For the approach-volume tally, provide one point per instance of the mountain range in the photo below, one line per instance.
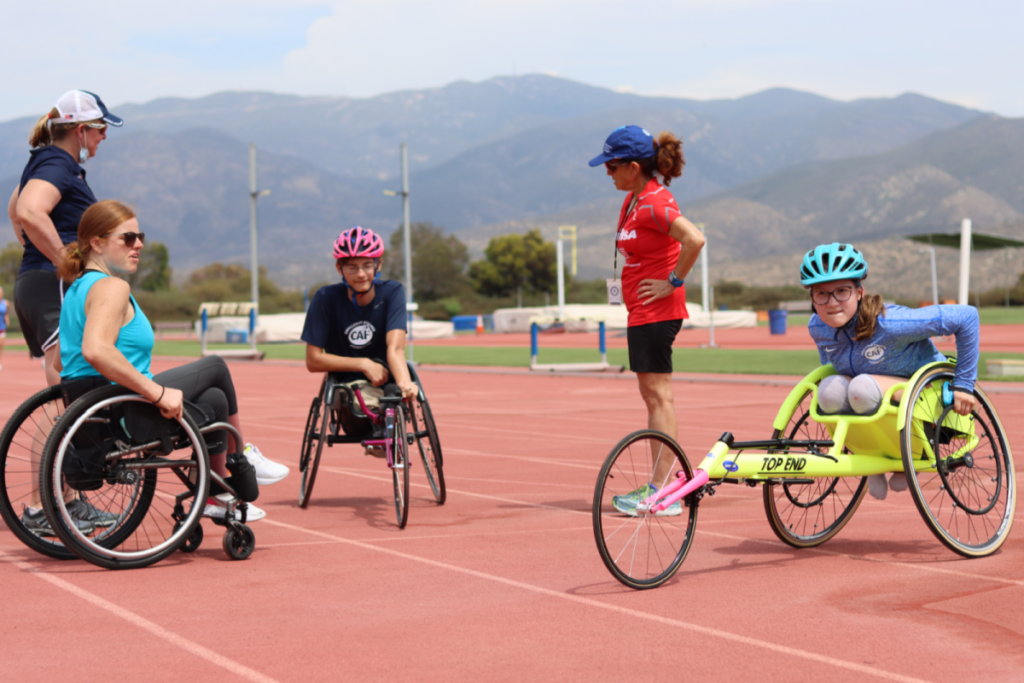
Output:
(767, 172)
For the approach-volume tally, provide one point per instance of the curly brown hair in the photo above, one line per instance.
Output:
(667, 160)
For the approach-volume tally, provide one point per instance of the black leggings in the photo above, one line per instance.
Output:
(208, 381)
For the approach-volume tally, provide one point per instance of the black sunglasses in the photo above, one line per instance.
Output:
(129, 237)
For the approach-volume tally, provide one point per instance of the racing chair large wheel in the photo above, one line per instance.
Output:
(313, 444)
(959, 467)
(147, 476)
(21, 450)
(422, 425)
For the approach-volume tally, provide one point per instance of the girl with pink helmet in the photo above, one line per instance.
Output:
(356, 325)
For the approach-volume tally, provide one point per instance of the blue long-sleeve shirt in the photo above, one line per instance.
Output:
(901, 344)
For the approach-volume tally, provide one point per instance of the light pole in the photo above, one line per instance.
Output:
(254, 194)
(410, 307)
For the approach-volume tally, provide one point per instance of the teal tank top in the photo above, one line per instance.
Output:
(135, 340)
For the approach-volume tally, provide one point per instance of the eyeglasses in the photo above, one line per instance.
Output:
(97, 125)
(613, 166)
(129, 237)
(353, 269)
(840, 294)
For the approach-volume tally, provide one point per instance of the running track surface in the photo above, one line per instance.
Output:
(504, 581)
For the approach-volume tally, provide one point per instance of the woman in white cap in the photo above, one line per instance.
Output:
(45, 210)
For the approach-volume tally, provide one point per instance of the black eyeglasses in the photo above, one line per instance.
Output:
(840, 294)
(129, 237)
(613, 166)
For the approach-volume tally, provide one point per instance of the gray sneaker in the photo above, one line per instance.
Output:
(84, 511)
(37, 523)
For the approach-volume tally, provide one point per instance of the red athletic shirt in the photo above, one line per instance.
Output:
(650, 252)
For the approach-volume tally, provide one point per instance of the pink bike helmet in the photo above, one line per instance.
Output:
(358, 242)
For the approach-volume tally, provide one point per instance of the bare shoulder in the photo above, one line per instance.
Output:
(110, 289)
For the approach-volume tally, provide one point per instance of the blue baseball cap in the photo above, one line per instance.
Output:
(627, 142)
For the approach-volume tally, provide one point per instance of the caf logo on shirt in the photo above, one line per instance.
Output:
(360, 334)
(874, 353)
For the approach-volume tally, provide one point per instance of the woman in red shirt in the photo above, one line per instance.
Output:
(659, 247)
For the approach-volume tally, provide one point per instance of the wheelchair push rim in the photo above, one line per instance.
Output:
(399, 462)
(142, 514)
(959, 469)
(645, 550)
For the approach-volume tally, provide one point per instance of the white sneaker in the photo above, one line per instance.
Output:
(267, 471)
(217, 511)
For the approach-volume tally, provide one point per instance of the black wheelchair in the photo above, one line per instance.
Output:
(147, 479)
(339, 415)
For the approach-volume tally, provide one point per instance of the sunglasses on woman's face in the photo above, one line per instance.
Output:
(129, 237)
(614, 166)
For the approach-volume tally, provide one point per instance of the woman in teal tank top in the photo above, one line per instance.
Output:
(104, 333)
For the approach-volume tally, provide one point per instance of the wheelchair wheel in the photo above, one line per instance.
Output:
(809, 511)
(400, 468)
(239, 542)
(21, 450)
(312, 447)
(642, 550)
(153, 492)
(966, 492)
(429, 446)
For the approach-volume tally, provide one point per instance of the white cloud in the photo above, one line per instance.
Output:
(130, 51)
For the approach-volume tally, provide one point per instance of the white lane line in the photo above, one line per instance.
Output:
(710, 533)
(143, 623)
(435, 537)
(636, 614)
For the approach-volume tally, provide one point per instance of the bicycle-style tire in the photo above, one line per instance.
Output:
(807, 515)
(646, 550)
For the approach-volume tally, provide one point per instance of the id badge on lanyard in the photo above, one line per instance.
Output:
(615, 284)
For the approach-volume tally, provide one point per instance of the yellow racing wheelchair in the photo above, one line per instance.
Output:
(814, 472)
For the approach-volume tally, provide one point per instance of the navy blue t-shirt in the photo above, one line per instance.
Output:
(60, 169)
(339, 327)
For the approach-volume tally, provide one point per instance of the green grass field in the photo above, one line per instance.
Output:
(720, 361)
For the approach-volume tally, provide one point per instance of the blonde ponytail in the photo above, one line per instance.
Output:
(49, 129)
(867, 317)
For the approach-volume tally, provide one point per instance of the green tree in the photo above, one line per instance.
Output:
(438, 261)
(154, 271)
(514, 263)
(230, 282)
(10, 262)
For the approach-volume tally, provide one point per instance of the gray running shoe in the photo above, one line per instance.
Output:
(37, 523)
(82, 510)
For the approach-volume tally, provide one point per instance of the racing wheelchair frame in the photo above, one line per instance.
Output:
(338, 415)
(814, 471)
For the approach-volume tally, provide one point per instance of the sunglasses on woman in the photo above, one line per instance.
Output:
(129, 237)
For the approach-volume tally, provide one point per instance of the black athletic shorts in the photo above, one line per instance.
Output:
(650, 346)
(37, 299)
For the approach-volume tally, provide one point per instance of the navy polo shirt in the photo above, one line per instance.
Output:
(60, 169)
(339, 327)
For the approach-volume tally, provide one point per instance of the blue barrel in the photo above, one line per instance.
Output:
(777, 321)
(464, 323)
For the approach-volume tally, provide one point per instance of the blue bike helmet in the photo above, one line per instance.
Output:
(831, 262)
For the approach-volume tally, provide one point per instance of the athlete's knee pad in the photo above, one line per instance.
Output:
(865, 394)
(832, 394)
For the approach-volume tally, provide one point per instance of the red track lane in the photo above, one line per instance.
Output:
(504, 582)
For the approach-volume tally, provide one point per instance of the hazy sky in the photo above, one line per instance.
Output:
(131, 51)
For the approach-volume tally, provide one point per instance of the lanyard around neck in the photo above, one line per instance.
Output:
(615, 259)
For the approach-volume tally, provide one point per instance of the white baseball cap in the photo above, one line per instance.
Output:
(79, 105)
